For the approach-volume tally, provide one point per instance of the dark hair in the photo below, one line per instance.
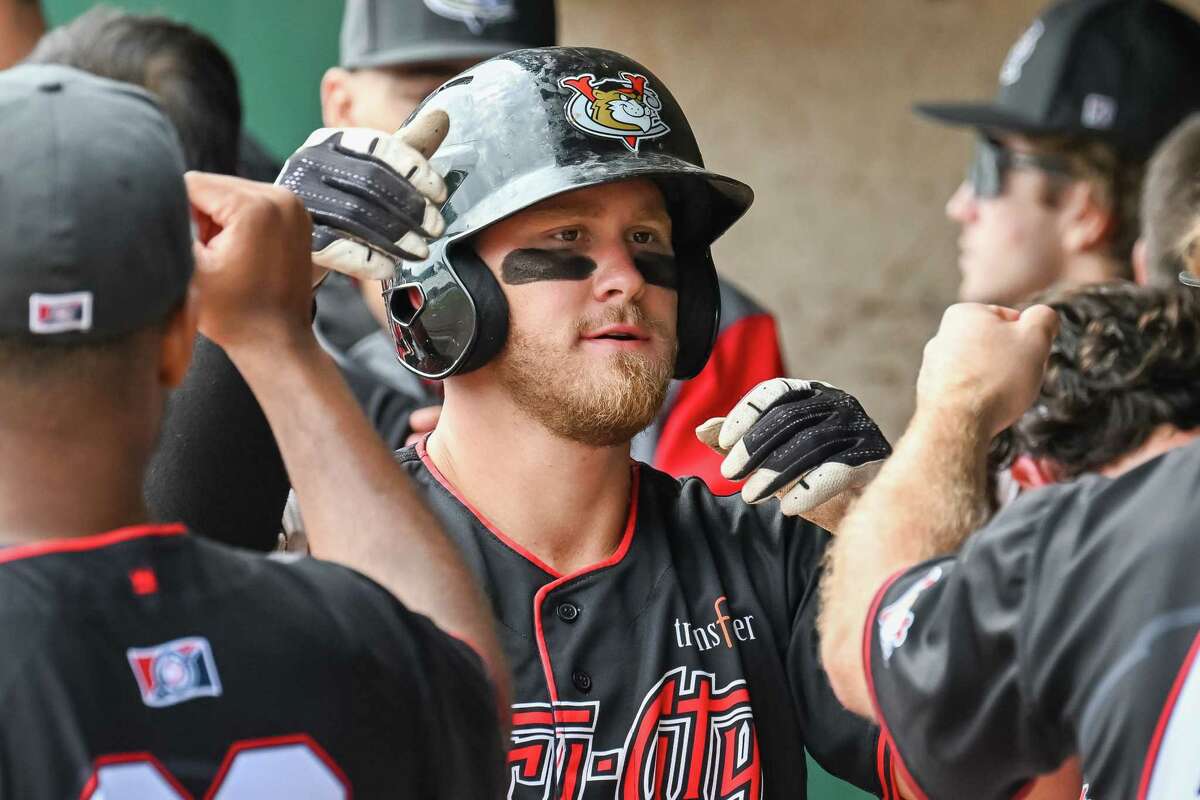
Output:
(1171, 201)
(187, 72)
(1117, 179)
(1126, 360)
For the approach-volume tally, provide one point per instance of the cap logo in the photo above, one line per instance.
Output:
(624, 108)
(475, 14)
(60, 313)
(1010, 72)
(1099, 112)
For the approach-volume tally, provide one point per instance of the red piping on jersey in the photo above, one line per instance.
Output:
(881, 767)
(1164, 718)
(275, 741)
(613, 560)
(93, 542)
(487, 523)
(92, 784)
(867, 638)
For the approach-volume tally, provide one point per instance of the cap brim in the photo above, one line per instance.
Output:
(978, 115)
(431, 51)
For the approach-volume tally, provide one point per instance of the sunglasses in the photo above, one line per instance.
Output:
(992, 161)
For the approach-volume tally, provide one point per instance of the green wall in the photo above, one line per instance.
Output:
(281, 48)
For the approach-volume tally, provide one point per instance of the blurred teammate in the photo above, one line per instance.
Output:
(1053, 188)
(217, 470)
(143, 662)
(393, 54)
(1170, 205)
(1067, 625)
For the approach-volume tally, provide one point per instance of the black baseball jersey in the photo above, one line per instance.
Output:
(683, 666)
(1067, 625)
(150, 664)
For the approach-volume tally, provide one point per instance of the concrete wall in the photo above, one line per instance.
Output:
(808, 102)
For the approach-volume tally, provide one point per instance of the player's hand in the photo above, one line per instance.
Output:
(421, 422)
(373, 196)
(804, 442)
(986, 361)
(253, 268)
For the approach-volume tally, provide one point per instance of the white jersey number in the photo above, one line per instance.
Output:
(291, 766)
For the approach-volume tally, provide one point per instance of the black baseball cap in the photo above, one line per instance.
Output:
(384, 33)
(1124, 71)
(95, 233)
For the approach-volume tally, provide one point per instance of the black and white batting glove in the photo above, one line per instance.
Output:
(373, 197)
(804, 442)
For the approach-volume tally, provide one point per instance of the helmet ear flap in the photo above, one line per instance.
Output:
(699, 313)
(491, 307)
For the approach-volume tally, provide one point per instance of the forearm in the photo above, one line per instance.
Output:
(926, 499)
(359, 508)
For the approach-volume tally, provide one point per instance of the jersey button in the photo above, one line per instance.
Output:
(582, 681)
(568, 612)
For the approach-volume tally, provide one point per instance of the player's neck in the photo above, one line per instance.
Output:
(1093, 266)
(1165, 438)
(565, 502)
(55, 483)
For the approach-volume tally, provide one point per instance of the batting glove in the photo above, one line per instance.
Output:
(373, 198)
(804, 442)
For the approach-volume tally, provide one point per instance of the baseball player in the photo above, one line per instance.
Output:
(1067, 625)
(141, 661)
(393, 54)
(1051, 196)
(662, 638)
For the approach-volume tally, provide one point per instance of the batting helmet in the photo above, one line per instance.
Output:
(531, 124)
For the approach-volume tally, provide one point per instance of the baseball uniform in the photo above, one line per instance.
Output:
(1067, 625)
(149, 663)
(685, 665)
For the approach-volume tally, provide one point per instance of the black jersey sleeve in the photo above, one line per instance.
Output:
(944, 648)
(217, 468)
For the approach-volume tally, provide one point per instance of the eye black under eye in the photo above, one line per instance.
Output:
(658, 269)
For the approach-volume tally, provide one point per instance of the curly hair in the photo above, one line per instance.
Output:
(1126, 360)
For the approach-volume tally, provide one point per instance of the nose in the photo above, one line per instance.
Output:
(616, 276)
(962, 207)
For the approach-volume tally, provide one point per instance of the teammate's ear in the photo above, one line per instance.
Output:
(1031, 473)
(175, 355)
(1086, 221)
(1141, 271)
(336, 98)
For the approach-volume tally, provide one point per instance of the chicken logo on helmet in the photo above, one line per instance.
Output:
(624, 108)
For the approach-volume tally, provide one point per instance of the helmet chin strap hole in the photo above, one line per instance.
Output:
(405, 302)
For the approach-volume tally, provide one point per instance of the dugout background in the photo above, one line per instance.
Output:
(806, 100)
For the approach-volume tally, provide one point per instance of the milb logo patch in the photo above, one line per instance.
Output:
(60, 313)
(175, 671)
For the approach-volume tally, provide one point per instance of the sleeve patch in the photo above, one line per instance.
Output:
(897, 617)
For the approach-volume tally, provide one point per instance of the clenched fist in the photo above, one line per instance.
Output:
(987, 361)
